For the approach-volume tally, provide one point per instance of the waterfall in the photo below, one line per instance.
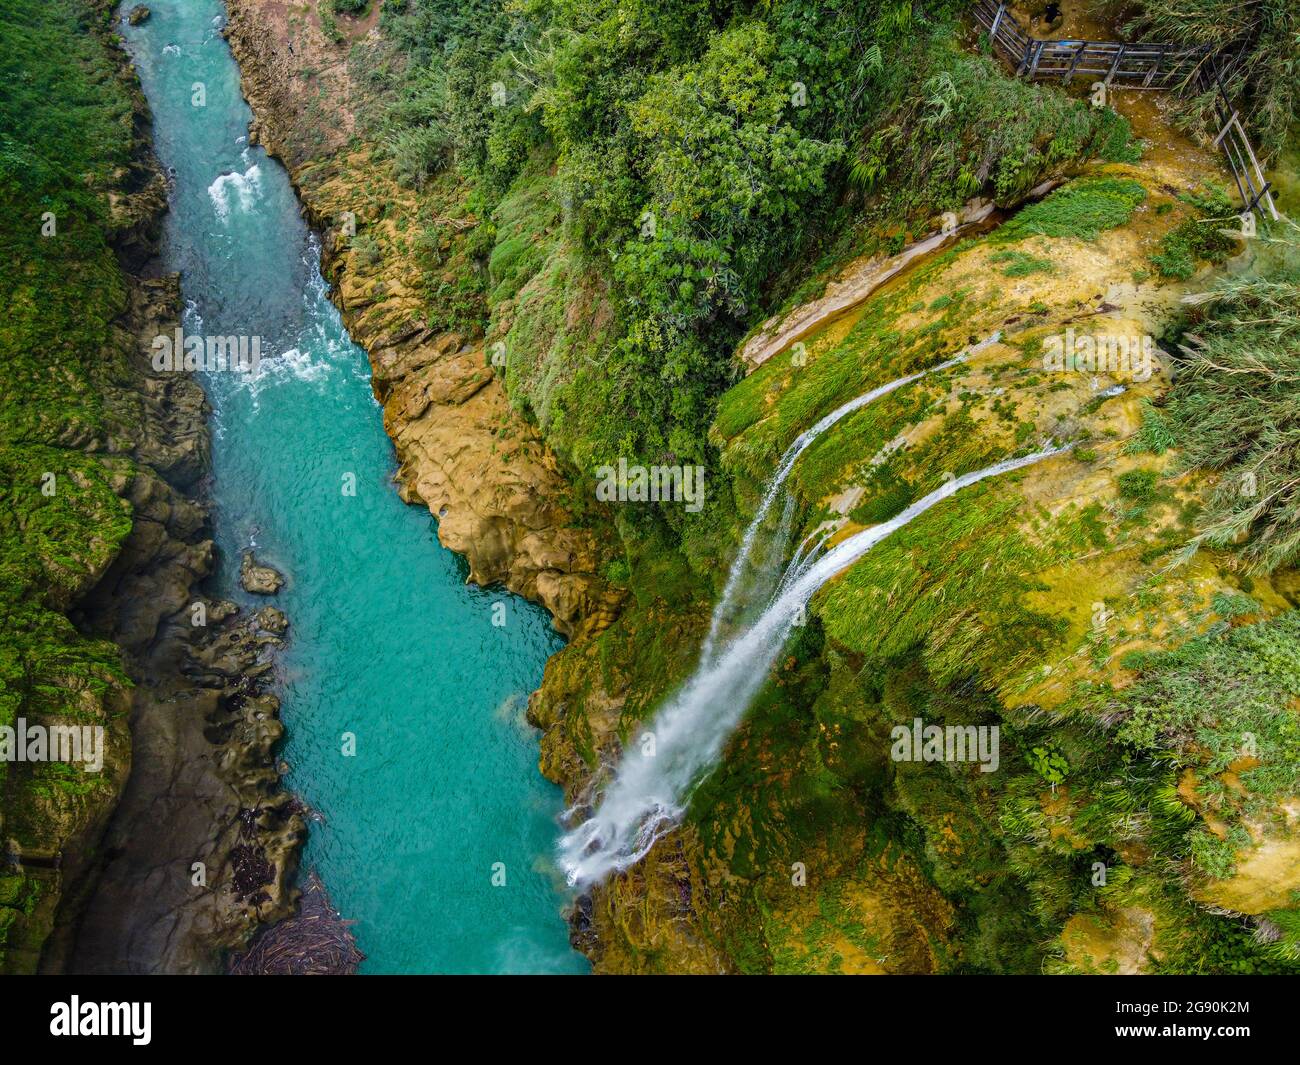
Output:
(732, 590)
(649, 793)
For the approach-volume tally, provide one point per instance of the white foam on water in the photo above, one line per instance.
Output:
(234, 189)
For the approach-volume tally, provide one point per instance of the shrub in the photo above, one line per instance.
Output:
(1232, 409)
(1198, 239)
(1138, 485)
(418, 153)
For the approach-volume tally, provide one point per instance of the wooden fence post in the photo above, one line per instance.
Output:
(1078, 57)
(1024, 60)
(1155, 69)
(997, 21)
(1114, 67)
(1038, 54)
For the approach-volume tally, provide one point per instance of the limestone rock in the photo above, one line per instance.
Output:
(1117, 943)
(1267, 875)
(273, 620)
(257, 578)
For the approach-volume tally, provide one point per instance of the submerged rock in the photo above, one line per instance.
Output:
(138, 14)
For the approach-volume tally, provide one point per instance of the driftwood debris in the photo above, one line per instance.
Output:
(314, 942)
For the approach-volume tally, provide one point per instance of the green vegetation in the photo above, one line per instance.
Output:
(1081, 209)
(1020, 264)
(1266, 35)
(684, 158)
(618, 193)
(1232, 411)
(1049, 764)
(1202, 238)
(978, 625)
(1162, 781)
(873, 351)
(1016, 852)
(648, 185)
(1157, 433)
(957, 126)
(1138, 485)
(66, 129)
(1217, 696)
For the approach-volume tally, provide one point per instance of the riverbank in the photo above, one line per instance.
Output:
(104, 875)
(403, 687)
(489, 478)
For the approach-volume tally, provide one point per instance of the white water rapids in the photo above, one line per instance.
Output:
(649, 793)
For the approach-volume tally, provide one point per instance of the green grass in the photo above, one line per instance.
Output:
(1232, 411)
(1080, 210)
(1199, 239)
(943, 584)
(1138, 485)
(1020, 264)
(935, 620)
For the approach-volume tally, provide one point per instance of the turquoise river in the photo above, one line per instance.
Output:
(442, 799)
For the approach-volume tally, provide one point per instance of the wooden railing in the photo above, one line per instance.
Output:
(1168, 67)
(1235, 145)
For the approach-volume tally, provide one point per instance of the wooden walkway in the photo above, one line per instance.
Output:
(1168, 67)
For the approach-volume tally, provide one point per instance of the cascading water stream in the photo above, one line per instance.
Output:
(731, 592)
(649, 793)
